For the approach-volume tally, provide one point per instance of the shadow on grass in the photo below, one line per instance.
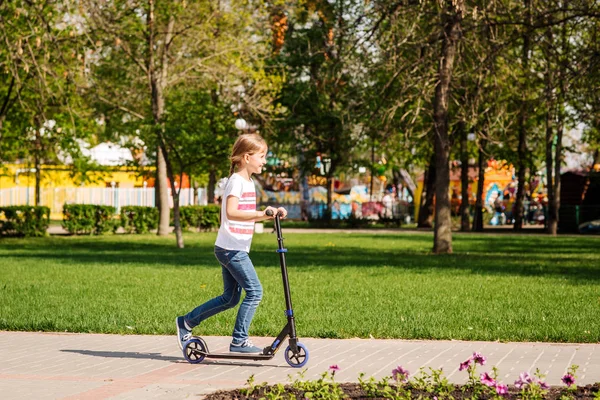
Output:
(501, 255)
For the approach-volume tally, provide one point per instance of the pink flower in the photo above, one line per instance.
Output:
(501, 389)
(478, 358)
(334, 368)
(525, 377)
(568, 379)
(519, 384)
(544, 385)
(400, 374)
(487, 380)
(464, 365)
(524, 380)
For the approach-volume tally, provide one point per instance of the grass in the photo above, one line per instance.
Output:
(494, 287)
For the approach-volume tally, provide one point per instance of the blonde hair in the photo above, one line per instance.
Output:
(247, 143)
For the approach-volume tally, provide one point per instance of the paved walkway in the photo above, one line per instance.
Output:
(92, 366)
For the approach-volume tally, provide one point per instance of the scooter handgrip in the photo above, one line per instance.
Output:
(269, 212)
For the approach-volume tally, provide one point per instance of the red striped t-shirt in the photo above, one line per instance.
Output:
(237, 235)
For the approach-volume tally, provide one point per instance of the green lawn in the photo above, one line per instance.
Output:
(494, 287)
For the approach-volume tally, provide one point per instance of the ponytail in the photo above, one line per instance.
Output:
(232, 169)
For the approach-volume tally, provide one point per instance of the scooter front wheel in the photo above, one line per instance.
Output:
(193, 350)
(298, 359)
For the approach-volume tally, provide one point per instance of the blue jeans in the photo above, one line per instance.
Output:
(238, 273)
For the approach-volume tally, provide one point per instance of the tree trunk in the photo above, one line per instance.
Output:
(522, 125)
(157, 80)
(478, 214)
(551, 220)
(555, 206)
(164, 211)
(329, 195)
(465, 220)
(555, 202)
(175, 192)
(38, 179)
(38, 163)
(451, 20)
(372, 169)
(5, 107)
(212, 182)
(425, 219)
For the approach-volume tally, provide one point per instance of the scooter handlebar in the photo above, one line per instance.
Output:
(269, 212)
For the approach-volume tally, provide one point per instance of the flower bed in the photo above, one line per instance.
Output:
(425, 385)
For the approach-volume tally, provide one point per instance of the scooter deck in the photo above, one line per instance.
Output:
(240, 356)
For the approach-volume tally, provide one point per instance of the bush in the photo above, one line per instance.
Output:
(136, 219)
(203, 218)
(24, 220)
(87, 219)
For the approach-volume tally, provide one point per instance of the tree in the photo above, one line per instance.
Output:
(451, 18)
(321, 93)
(153, 46)
(41, 66)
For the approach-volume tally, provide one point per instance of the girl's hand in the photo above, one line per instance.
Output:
(273, 210)
(282, 212)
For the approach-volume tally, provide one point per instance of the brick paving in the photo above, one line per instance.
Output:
(93, 366)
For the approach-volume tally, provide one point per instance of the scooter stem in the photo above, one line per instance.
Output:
(284, 276)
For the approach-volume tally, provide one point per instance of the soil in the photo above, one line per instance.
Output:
(354, 391)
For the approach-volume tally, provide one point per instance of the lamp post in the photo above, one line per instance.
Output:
(241, 124)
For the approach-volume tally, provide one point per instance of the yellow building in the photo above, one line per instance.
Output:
(53, 176)
(116, 186)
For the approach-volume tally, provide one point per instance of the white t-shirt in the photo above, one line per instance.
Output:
(237, 235)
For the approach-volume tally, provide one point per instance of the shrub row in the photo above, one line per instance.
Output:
(92, 219)
(24, 220)
(88, 219)
(203, 218)
(138, 219)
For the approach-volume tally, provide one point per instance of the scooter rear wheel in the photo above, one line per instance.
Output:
(193, 349)
(299, 359)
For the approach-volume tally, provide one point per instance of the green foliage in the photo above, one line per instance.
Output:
(88, 219)
(199, 130)
(437, 384)
(136, 219)
(40, 69)
(24, 220)
(203, 218)
(382, 388)
(323, 388)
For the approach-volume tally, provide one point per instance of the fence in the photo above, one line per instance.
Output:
(55, 198)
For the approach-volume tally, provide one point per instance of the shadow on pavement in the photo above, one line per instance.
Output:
(159, 357)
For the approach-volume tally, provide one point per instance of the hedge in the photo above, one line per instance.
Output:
(87, 219)
(138, 219)
(24, 220)
(203, 218)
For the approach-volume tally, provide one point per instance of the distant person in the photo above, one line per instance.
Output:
(388, 203)
(238, 215)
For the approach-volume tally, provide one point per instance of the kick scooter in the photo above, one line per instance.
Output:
(195, 350)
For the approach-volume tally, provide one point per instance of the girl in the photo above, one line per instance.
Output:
(238, 215)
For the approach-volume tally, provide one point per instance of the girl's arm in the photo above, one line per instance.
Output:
(231, 208)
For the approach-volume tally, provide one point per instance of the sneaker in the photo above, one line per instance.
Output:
(183, 333)
(244, 347)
